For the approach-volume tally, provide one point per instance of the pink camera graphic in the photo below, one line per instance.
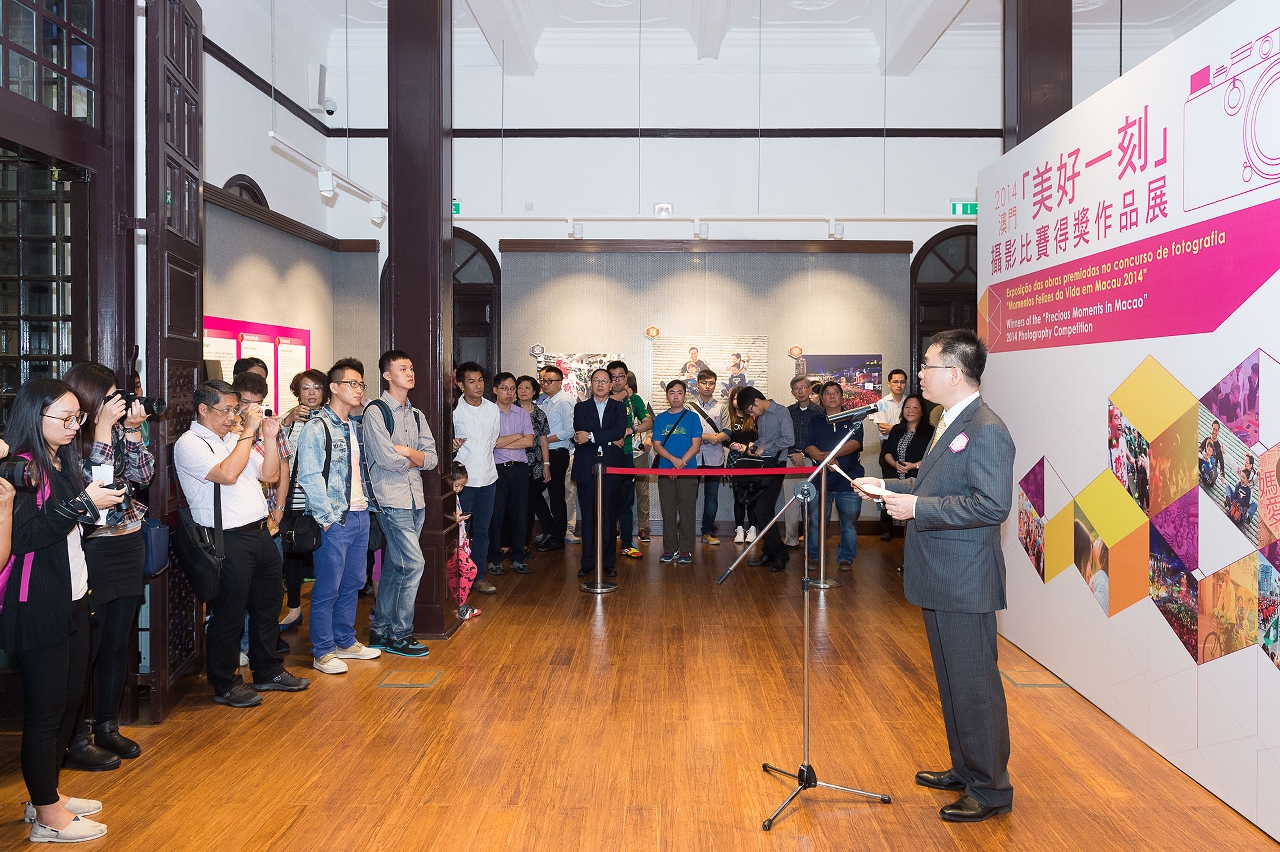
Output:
(1231, 129)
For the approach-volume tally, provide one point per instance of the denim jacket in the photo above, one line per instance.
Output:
(328, 502)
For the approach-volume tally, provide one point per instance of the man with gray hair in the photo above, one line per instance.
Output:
(217, 468)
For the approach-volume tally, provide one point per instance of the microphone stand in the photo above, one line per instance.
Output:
(806, 778)
(599, 586)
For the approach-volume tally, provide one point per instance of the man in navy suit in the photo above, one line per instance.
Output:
(599, 425)
(954, 570)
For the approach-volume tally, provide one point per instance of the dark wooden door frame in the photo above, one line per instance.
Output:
(938, 290)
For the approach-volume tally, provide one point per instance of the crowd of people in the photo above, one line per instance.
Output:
(351, 466)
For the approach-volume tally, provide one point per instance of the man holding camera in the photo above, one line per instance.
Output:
(207, 456)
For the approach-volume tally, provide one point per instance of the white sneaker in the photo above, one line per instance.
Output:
(79, 829)
(751, 535)
(358, 652)
(79, 807)
(739, 536)
(330, 664)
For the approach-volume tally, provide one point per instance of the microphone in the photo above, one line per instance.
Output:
(854, 414)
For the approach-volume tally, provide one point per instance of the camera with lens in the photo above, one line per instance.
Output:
(153, 405)
(21, 473)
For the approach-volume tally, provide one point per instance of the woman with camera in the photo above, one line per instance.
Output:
(45, 619)
(112, 438)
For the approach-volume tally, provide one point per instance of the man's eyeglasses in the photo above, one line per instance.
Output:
(936, 366)
(708, 383)
(616, 376)
(71, 421)
(228, 411)
(505, 387)
(549, 381)
(357, 385)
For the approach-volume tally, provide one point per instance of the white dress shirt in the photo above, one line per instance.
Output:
(194, 455)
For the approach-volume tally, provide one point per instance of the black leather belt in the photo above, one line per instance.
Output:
(508, 464)
(250, 527)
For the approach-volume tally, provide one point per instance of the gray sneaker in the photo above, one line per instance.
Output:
(520, 566)
(283, 682)
(405, 646)
(239, 695)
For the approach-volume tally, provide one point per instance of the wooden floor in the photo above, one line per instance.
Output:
(638, 720)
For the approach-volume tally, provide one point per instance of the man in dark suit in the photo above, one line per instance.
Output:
(599, 425)
(954, 570)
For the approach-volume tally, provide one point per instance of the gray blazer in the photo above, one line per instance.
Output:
(953, 561)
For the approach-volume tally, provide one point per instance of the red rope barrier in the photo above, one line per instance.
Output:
(708, 471)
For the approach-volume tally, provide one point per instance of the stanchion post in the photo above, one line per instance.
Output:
(599, 587)
(822, 582)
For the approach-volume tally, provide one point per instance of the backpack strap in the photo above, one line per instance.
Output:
(386, 413)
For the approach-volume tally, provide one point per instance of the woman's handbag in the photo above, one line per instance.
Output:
(300, 533)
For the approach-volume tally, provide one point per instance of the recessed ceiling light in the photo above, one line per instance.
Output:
(1086, 5)
(810, 5)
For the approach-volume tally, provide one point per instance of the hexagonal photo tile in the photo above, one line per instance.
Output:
(1269, 603)
(1179, 525)
(1174, 592)
(1228, 617)
(1031, 515)
(1130, 457)
(1234, 399)
(1269, 496)
(1092, 559)
(1173, 461)
(1228, 474)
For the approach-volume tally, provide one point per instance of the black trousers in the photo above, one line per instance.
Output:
(109, 655)
(510, 504)
(762, 511)
(53, 679)
(250, 583)
(587, 520)
(552, 511)
(296, 567)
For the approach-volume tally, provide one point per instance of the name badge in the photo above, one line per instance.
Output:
(961, 441)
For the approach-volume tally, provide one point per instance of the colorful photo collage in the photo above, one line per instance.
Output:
(861, 377)
(577, 369)
(1229, 473)
(1031, 515)
(1228, 617)
(1092, 559)
(738, 362)
(1269, 602)
(1234, 400)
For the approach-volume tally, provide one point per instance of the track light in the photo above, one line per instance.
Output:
(835, 229)
(703, 229)
(325, 178)
(377, 214)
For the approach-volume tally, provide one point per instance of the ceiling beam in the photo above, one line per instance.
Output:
(512, 29)
(913, 29)
(710, 23)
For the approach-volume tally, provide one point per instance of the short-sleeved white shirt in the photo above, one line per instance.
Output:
(194, 455)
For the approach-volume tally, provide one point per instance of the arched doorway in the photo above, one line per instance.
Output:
(477, 306)
(944, 288)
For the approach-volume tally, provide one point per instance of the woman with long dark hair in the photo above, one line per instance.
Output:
(45, 619)
(112, 437)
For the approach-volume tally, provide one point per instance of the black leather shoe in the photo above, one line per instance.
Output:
(968, 809)
(88, 757)
(107, 735)
(939, 780)
(610, 572)
(582, 572)
(778, 566)
(548, 544)
(756, 563)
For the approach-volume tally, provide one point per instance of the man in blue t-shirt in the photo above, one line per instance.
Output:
(677, 437)
(821, 439)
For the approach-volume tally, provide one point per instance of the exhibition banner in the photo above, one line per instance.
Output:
(286, 351)
(1144, 212)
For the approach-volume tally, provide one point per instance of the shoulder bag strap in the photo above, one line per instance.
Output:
(218, 547)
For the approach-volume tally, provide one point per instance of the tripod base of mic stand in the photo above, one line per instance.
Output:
(599, 588)
(808, 779)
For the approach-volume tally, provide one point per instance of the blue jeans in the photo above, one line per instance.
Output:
(849, 506)
(710, 503)
(402, 565)
(340, 575)
(479, 502)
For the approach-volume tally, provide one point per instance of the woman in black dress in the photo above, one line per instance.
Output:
(45, 619)
(907, 442)
(112, 438)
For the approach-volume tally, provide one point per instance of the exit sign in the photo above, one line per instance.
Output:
(964, 208)
(457, 208)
